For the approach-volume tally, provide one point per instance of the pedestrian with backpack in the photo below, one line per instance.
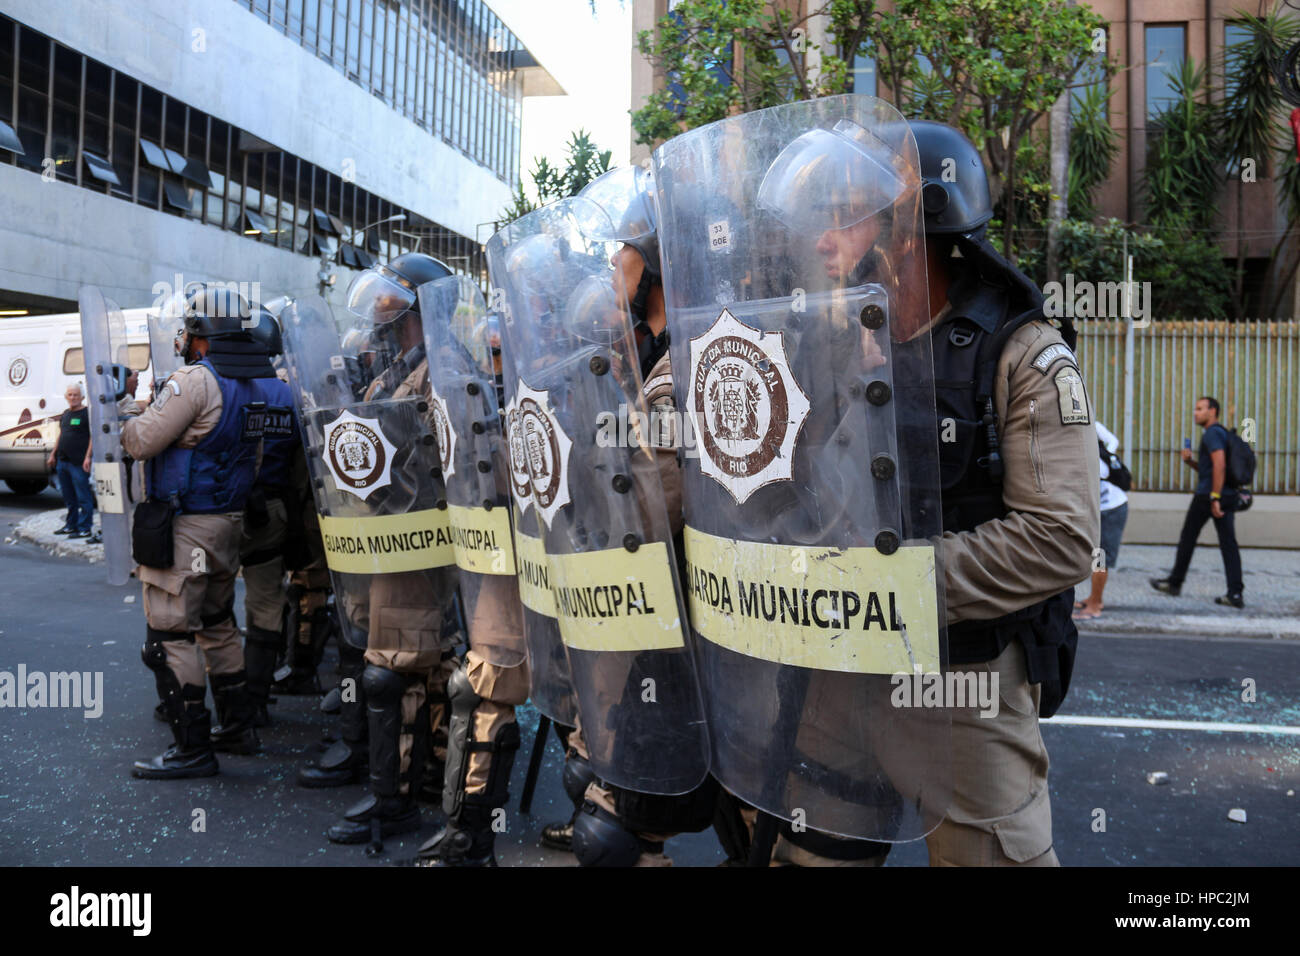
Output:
(1116, 480)
(1212, 485)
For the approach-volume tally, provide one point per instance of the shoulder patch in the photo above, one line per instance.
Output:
(658, 390)
(1051, 354)
(1071, 397)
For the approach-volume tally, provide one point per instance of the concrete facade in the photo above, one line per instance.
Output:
(215, 56)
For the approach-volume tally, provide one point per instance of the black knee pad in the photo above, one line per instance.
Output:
(577, 774)
(383, 687)
(599, 839)
(152, 652)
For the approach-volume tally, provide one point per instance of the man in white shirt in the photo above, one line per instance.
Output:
(1114, 514)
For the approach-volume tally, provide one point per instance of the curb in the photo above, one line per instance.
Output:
(1197, 625)
(38, 529)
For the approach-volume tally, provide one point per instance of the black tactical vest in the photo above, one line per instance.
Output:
(967, 345)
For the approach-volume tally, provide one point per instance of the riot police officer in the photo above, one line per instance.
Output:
(1014, 432)
(483, 691)
(1011, 382)
(569, 300)
(200, 440)
(266, 525)
(402, 612)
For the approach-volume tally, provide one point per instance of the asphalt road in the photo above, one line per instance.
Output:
(66, 796)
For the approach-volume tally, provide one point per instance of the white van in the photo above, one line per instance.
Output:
(40, 357)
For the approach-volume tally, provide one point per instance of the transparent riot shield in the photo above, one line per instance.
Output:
(166, 327)
(550, 681)
(472, 452)
(794, 274)
(598, 499)
(373, 459)
(104, 347)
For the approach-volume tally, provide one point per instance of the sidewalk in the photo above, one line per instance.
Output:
(1132, 606)
(38, 529)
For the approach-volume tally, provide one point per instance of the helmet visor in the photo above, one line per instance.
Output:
(830, 179)
(378, 298)
(592, 313)
(625, 195)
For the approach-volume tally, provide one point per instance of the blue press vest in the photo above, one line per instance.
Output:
(215, 476)
(280, 434)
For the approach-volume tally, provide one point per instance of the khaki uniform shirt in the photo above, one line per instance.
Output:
(1045, 543)
(184, 410)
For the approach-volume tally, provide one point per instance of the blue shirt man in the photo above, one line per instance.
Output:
(1211, 464)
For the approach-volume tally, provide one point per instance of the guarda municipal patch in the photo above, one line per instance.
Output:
(1044, 359)
(1071, 397)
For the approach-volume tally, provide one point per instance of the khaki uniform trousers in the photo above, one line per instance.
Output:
(1000, 812)
(196, 595)
(264, 598)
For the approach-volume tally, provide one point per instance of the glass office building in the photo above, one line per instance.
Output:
(443, 78)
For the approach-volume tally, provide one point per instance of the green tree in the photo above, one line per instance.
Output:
(1189, 278)
(698, 46)
(1251, 105)
(584, 161)
(1094, 145)
(990, 67)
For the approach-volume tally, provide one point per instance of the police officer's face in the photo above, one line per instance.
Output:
(842, 249)
(628, 267)
(132, 382)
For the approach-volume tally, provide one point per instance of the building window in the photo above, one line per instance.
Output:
(105, 131)
(434, 61)
(1234, 35)
(1090, 78)
(863, 78)
(33, 80)
(1165, 50)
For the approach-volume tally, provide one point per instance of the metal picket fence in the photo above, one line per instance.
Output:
(1250, 367)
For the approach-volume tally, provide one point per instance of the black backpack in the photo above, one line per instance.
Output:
(1119, 476)
(1241, 462)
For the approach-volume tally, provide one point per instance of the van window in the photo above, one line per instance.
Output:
(137, 356)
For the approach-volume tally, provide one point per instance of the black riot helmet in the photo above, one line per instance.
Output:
(213, 312)
(384, 293)
(265, 329)
(225, 318)
(955, 190)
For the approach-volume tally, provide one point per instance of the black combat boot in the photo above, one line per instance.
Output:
(234, 733)
(577, 774)
(345, 761)
(468, 840)
(305, 655)
(390, 809)
(260, 650)
(191, 755)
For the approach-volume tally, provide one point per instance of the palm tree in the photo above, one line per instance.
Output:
(1250, 116)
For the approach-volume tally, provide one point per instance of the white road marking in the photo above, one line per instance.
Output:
(1144, 722)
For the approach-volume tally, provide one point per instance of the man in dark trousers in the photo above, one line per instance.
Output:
(71, 461)
(1211, 464)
